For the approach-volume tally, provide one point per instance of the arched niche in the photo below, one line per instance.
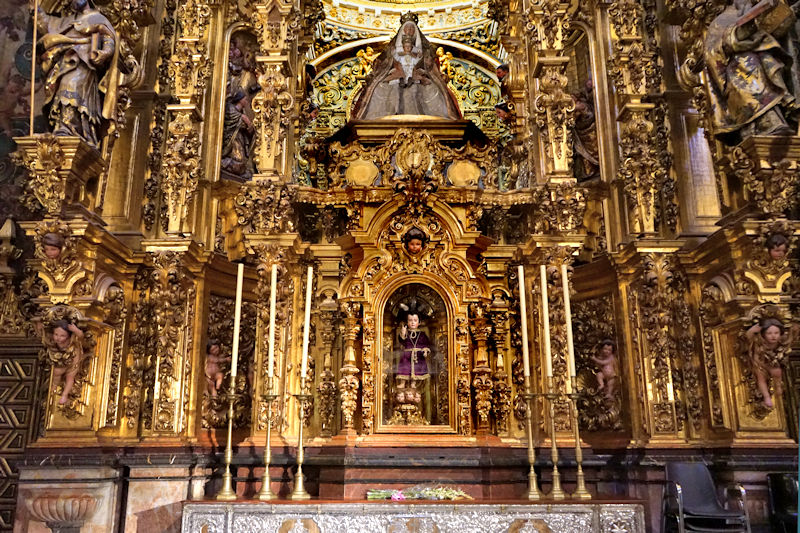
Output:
(415, 358)
(445, 264)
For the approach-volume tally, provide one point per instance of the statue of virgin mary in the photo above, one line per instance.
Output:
(406, 80)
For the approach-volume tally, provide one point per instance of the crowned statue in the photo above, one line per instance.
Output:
(406, 80)
(79, 63)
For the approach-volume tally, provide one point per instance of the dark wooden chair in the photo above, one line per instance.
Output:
(782, 502)
(691, 504)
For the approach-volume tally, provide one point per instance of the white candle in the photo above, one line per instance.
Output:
(273, 290)
(306, 326)
(523, 311)
(568, 314)
(548, 359)
(237, 319)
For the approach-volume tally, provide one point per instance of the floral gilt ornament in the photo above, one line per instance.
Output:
(419, 492)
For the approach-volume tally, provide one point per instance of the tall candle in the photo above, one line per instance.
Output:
(548, 358)
(237, 319)
(306, 326)
(273, 290)
(523, 311)
(568, 313)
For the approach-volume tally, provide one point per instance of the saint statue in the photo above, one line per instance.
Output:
(406, 80)
(584, 138)
(238, 136)
(412, 368)
(79, 62)
(748, 71)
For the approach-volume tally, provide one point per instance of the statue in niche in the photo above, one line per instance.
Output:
(64, 345)
(606, 372)
(748, 70)
(214, 372)
(586, 164)
(406, 80)
(768, 347)
(79, 63)
(415, 346)
(412, 368)
(238, 137)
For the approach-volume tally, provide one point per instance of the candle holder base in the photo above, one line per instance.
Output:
(226, 493)
(299, 492)
(557, 493)
(533, 488)
(266, 493)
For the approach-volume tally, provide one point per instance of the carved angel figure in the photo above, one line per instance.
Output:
(606, 361)
(214, 372)
(79, 62)
(769, 342)
(64, 346)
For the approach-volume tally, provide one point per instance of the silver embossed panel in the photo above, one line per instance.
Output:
(254, 517)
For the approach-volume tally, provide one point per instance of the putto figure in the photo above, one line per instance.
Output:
(406, 80)
(80, 74)
(214, 372)
(65, 353)
(606, 361)
(768, 348)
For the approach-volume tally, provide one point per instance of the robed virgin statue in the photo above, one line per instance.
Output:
(406, 80)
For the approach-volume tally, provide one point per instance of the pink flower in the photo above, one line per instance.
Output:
(397, 496)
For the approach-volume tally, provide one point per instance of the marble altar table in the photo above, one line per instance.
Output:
(396, 517)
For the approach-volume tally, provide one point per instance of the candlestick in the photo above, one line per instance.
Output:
(568, 315)
(548, 358)
(273, 290)
(306, 325)
(580, 491)
(557, 493)
(226, 493)
(237, 320)
(33, 64)
(523, 311)
(299, 492)
(266, 491)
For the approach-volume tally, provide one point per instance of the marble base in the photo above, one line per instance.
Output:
(444, 517)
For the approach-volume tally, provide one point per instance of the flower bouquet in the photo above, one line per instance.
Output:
(419, 492)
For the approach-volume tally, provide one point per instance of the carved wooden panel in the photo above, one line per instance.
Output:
(19, 370)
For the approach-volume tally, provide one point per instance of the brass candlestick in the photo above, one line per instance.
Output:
(557, 493)
(299, 492)
(266, 492)
(580, 492)
(226, 493)
(533, 488)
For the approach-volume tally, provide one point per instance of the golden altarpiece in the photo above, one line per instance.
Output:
(481, 190)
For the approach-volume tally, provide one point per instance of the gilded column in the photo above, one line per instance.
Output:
(480, 327)
(548, 22)
(349, 382)
(501, 385)
(189, 69)
(635, 74)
